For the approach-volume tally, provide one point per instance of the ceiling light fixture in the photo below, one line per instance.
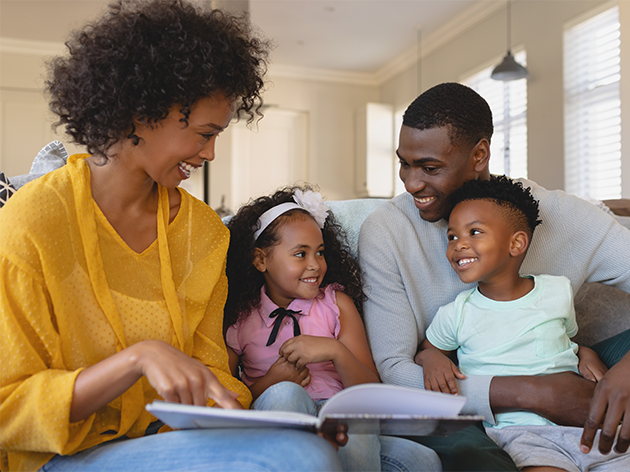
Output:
(509, 69)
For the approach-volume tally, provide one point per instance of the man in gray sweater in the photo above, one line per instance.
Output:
(444, 142)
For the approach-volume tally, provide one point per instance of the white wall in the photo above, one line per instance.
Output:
(537, 26)
(331, 108)
(25, 121)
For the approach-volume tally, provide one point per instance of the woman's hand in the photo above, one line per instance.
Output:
(175, 376)
(179, 378)
(305, 349)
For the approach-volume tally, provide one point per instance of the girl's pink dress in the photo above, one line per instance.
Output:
(319, 317)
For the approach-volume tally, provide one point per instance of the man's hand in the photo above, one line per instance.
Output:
(438, 370)
(563, 398)
(610, 404)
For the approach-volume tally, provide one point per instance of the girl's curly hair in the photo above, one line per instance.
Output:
(142, 58)
(245, 280)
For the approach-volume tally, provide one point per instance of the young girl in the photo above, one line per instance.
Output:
(112, 280)
(292, 317)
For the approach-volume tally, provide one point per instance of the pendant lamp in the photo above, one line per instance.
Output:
(509, 69)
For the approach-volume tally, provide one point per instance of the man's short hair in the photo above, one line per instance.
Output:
(516, 201)
(456, 106)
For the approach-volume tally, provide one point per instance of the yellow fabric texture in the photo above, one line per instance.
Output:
(73, 293)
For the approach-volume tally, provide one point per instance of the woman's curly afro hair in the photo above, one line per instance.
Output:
(517, 201)
(245, 281)
(141, 58)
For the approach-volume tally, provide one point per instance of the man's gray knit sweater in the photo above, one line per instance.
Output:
(408, 277)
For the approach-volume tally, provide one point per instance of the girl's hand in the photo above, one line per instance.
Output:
(178, 377)
(282, 370)
(439, 371)
(338, 438)
(590, 366)
(305, 349)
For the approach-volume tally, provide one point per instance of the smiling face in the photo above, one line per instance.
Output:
(295, 267)
(481, 243)
(170, 150)
(432, 168)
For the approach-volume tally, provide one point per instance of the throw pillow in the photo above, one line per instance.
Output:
(6, 189)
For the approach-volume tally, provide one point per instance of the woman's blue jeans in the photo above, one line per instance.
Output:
(224, 450)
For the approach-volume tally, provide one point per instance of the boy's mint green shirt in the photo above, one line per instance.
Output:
(527, 336)
(407, 276)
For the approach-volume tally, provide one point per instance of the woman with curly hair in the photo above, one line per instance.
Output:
(112, 278)
(293, 321)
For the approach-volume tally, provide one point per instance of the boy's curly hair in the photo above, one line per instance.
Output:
(518, 201)
(460, 108)
(245, 281)
(141, 58)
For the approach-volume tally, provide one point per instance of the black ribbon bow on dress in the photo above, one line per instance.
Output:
(281, 313)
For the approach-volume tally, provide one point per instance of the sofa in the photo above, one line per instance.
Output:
(602, 311)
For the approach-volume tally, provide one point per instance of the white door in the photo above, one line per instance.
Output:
(269, 156)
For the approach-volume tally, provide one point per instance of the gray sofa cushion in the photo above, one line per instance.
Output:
(51, 157)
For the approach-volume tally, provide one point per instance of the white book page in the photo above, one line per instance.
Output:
(382, 399)
(189, 416)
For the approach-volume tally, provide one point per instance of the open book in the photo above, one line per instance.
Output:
(366, 409)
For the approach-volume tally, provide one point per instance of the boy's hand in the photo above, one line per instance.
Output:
(282, 370)
(590, 366)
(439, 371)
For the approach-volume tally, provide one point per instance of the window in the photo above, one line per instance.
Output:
(508, 102)
(592, 107)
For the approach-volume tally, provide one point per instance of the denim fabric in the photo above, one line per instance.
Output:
(225, 450)
(364, 452)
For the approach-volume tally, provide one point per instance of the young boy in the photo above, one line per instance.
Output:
(509, 324)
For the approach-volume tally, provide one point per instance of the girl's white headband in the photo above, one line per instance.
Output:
(309, 201)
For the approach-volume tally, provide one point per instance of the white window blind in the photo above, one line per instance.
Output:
(508, 102)
(592, 107)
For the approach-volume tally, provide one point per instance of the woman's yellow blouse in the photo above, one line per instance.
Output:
(73, 293)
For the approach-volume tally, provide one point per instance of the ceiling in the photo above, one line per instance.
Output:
(354, 36)
(349, 35)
